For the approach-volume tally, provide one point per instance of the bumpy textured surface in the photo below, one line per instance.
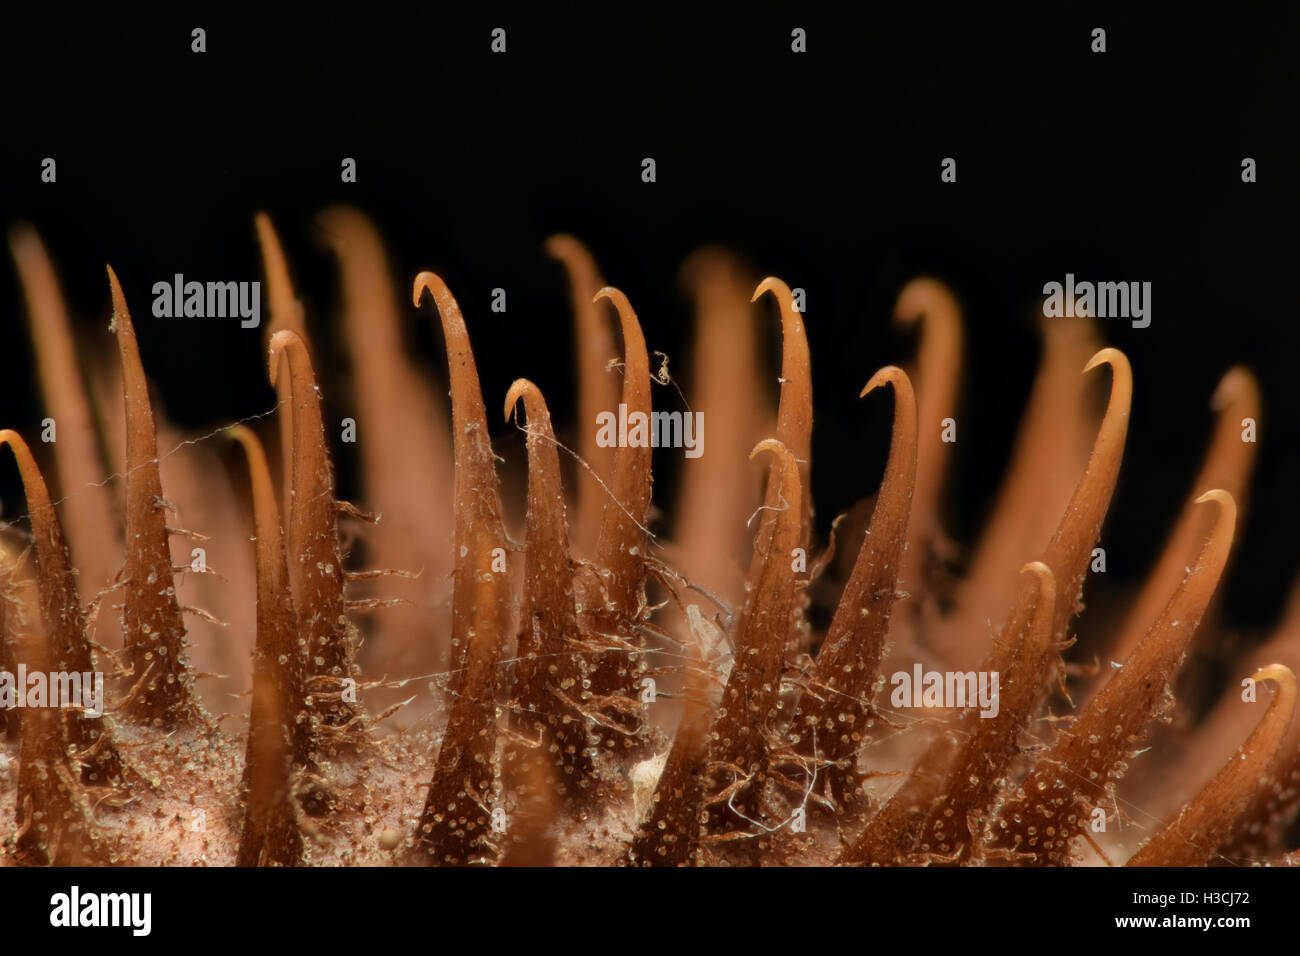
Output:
(619, 689)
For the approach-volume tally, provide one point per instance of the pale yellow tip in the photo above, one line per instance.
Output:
(1276, 672)
(1218, 495)
(429, 282)
(516, 391)
(885, 376)
(1107, 356)
(769, 444)
(774, 285)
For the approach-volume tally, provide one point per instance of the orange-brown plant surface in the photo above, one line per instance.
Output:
(600, 682)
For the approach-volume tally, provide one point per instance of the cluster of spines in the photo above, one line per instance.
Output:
(785, 730)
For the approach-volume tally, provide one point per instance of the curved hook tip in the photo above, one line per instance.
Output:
(776, 286)
(885, 376)
(614, 295)
(281, 341)
(426, 281)
(1223, 498)
(1275, 672)
(774, 445)
(516, 391)
(1107, 356)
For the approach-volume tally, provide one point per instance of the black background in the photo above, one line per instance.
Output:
(821, 168)
(385, 907)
